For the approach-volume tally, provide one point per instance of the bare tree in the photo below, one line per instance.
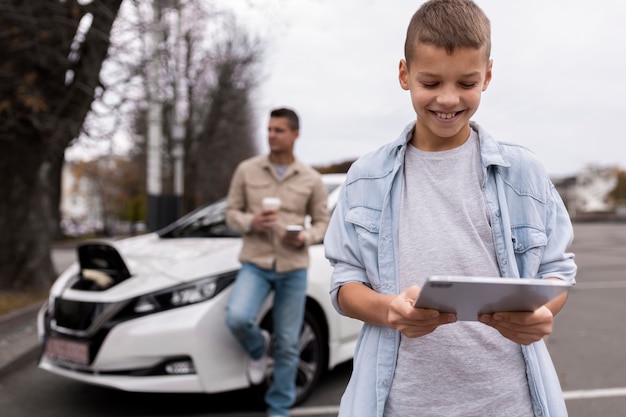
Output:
(617, 196)
(52, 52)
(208, 68)
(116, 185)
(223, 114)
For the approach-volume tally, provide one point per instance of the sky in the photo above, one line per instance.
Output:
(558, 86)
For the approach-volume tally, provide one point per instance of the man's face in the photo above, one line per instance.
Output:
(445, 92)
(281, 137)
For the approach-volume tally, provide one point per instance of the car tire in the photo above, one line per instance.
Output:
(313, 357)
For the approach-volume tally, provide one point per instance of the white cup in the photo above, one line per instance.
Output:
(271, 203)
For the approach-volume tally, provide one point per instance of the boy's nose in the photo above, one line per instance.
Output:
(448, 97)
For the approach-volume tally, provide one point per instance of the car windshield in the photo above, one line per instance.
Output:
(207, 221)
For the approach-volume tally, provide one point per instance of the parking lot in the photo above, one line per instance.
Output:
(587, 347)
(588, 342)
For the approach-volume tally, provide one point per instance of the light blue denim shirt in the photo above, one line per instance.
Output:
(531, 231)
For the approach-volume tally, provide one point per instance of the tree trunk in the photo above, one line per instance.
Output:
(56, 171)
(25, 263)
(41, 111)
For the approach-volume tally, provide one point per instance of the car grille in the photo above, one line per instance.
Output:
(84, 319)
(79, 323)
(76, 315)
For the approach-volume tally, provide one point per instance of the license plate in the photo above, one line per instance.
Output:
(67, 350)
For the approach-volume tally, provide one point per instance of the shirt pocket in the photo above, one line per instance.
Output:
(295, 199)
(528, 245)
(256, 190)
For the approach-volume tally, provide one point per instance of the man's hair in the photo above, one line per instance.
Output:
(290, 115)
(448, 24)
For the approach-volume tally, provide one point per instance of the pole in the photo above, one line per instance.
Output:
(178, 129)
(155, 123)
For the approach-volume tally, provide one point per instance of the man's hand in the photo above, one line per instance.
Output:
(411, 321)
(265, 221)
(294, 239)
(521, 327)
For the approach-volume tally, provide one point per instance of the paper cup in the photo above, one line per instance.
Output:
(271, 203)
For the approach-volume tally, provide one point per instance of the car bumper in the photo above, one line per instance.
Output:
(132, 350)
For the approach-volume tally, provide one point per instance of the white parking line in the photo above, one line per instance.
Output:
(568, 395)
(594, 393)
(315, 411)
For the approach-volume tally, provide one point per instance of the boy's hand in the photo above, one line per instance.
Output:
(411, 321)
(521, 327)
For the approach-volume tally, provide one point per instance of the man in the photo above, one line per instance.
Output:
(267, 194)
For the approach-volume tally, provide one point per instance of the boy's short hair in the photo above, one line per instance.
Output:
(290, 115)
(448, 24)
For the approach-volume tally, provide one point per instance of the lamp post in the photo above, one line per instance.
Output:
(178, 153)
(155, 123)
(163, 209)
(178, 128)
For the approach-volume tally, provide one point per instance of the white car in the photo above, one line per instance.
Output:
(146, 313)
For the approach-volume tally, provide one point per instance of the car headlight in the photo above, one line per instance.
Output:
(183, 295)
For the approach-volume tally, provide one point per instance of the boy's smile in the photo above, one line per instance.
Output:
(445, 92)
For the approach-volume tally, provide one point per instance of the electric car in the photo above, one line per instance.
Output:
(146, 313)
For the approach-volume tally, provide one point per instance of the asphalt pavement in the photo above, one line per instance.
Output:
(18, 337)
(18, 329)
(587, 345)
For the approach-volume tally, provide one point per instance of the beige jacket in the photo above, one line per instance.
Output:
(301, 192)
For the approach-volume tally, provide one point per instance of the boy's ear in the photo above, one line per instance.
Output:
(488, 75)
(403, 75)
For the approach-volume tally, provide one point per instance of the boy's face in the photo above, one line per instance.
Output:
(445, 92)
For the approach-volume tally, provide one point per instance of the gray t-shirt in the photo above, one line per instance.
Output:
(465, 368)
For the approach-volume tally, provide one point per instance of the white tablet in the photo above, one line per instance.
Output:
(470, 296)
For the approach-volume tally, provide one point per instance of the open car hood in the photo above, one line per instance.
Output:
(181, 259)
(111, 271)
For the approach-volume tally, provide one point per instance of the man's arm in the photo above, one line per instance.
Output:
(236, 216)
(318, 209)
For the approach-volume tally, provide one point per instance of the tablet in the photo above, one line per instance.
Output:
(470, 296)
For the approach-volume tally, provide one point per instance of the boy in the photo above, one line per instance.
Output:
(446, 198)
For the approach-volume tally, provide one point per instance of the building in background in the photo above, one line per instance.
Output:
(586, 196)
(81, 205)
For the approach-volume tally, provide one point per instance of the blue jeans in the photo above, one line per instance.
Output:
(251, 288)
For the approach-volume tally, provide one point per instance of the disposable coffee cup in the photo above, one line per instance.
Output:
(271, 203)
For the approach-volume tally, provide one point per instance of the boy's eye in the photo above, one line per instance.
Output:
(467, 85)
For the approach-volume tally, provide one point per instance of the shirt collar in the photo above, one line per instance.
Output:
(490, 151)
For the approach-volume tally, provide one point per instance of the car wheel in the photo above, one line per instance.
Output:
(313, 357)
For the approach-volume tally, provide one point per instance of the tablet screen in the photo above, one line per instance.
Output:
(470, 296)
